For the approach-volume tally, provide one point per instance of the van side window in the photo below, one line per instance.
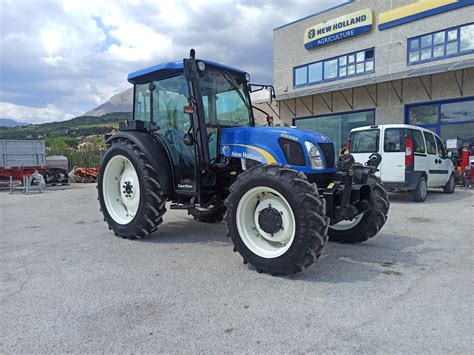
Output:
(394, 140)
(365, 141)
(430, 143)
(418, 141)
(441, 149)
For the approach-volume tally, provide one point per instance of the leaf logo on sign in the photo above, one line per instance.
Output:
(311, 33)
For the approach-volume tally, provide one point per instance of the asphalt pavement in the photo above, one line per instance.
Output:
(67, 284)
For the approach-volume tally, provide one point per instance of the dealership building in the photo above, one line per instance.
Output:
(377, 62)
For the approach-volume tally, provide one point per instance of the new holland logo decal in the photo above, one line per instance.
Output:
(338, 29)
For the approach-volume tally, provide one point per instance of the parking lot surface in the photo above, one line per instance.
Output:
(69, 285)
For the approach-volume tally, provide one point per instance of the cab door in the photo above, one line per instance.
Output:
(169, 97)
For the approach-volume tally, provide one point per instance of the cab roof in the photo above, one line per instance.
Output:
(168, 69)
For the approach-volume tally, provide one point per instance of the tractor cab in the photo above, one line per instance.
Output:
(167, 98)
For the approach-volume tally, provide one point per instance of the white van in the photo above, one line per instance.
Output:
(413, 158)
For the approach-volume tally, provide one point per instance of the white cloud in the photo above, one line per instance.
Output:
(22, 113)
(62, 58)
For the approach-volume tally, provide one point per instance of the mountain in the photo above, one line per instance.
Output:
(122, 102)
(7, 122)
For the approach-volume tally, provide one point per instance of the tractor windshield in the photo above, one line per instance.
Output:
(225, 99)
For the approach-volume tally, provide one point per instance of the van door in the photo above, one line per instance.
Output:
(419, 150)
(433, 161)
(446, 166)
(393, 155)
(363, 143)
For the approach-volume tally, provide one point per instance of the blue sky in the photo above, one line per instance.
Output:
(59, 59)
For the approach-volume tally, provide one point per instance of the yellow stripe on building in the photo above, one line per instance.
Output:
(412, 9)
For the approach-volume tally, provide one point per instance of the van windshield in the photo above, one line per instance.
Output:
(365, 141)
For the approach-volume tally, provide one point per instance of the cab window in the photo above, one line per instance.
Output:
(430, 143)
(365, 141)
(142, 110)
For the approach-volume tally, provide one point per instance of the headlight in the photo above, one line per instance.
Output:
(314, 155)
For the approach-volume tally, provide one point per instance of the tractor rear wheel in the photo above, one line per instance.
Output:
(276, 219)
(208, 215)
(130, 194)
(367, 224)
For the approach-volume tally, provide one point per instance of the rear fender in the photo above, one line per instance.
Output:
(154, 149)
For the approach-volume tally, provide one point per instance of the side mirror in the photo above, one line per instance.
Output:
(450, 154)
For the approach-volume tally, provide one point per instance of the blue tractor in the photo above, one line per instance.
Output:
(193, 142)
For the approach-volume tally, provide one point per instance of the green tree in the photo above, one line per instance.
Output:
(57, 146)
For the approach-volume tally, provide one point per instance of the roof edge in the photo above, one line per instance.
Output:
(315, 14)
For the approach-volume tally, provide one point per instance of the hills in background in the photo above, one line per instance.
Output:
(75, 128)
(7, 122)
(122, 102)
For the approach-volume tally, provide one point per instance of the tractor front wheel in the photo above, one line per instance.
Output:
(276, 219)
(367, 224)
(208, 215)
(130, 193)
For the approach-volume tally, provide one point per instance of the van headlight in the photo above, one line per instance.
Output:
(314, 155)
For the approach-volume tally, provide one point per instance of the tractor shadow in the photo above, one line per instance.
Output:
(183, 230)
(387, 254)
(390, 255)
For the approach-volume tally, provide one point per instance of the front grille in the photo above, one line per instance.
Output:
(293, 151)
(328, 151)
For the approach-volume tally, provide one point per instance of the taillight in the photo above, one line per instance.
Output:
(409, 156)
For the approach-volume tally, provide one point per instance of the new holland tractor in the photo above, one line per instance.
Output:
(193, 142)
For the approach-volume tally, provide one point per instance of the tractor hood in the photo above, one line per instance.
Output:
(264, 144)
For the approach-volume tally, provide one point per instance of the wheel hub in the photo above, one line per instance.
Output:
(127, 189)
(269, 219)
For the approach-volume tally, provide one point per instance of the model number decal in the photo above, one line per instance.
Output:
(287, 136)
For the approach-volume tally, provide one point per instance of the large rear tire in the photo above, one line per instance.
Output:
(276, 219)
(368, 224)
(130, 195)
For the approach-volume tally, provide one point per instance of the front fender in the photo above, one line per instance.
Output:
(155, 151)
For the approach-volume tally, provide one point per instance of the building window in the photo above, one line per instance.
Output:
(337, 126)
(341, 67)
(441, 44)
(449, 119)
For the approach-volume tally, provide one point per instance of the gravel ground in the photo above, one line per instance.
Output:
(67, 284)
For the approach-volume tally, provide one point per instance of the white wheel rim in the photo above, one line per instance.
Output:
(254, 237)
(346, 225)
(121, 189)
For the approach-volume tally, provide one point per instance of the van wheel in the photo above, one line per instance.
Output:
(367, 224)
(450, 185)
(419, 194)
